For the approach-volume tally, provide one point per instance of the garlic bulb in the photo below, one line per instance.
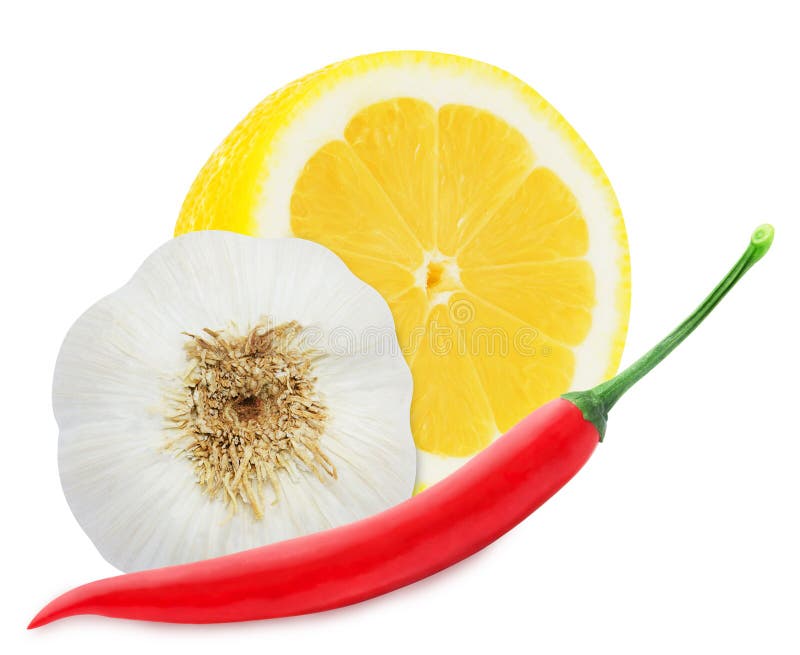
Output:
(237, 391)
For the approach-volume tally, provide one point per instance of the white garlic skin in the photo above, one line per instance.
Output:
(139, 503)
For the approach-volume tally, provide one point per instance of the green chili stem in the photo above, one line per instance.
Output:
(595, 403)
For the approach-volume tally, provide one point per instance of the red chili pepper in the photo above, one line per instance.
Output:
(441, 526)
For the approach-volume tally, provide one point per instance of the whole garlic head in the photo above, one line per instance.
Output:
(236, 392)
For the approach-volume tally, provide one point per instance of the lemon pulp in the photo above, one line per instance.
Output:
(487, 247)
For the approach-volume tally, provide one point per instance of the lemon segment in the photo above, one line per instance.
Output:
(450, 411)
(338, 203)
(410, 311)
(406, 128)
(540, 221)
(393, 280)
(481, 161)
(517, 364)
(555, 298)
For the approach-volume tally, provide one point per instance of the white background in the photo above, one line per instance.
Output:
(681, 535)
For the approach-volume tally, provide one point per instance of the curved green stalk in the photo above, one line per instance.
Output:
(595, 403)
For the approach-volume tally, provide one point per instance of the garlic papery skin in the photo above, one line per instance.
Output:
(131, 473)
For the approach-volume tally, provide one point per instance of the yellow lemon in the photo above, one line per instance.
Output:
(469, 203)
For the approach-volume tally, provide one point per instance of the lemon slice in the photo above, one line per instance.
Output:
(469, 203)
